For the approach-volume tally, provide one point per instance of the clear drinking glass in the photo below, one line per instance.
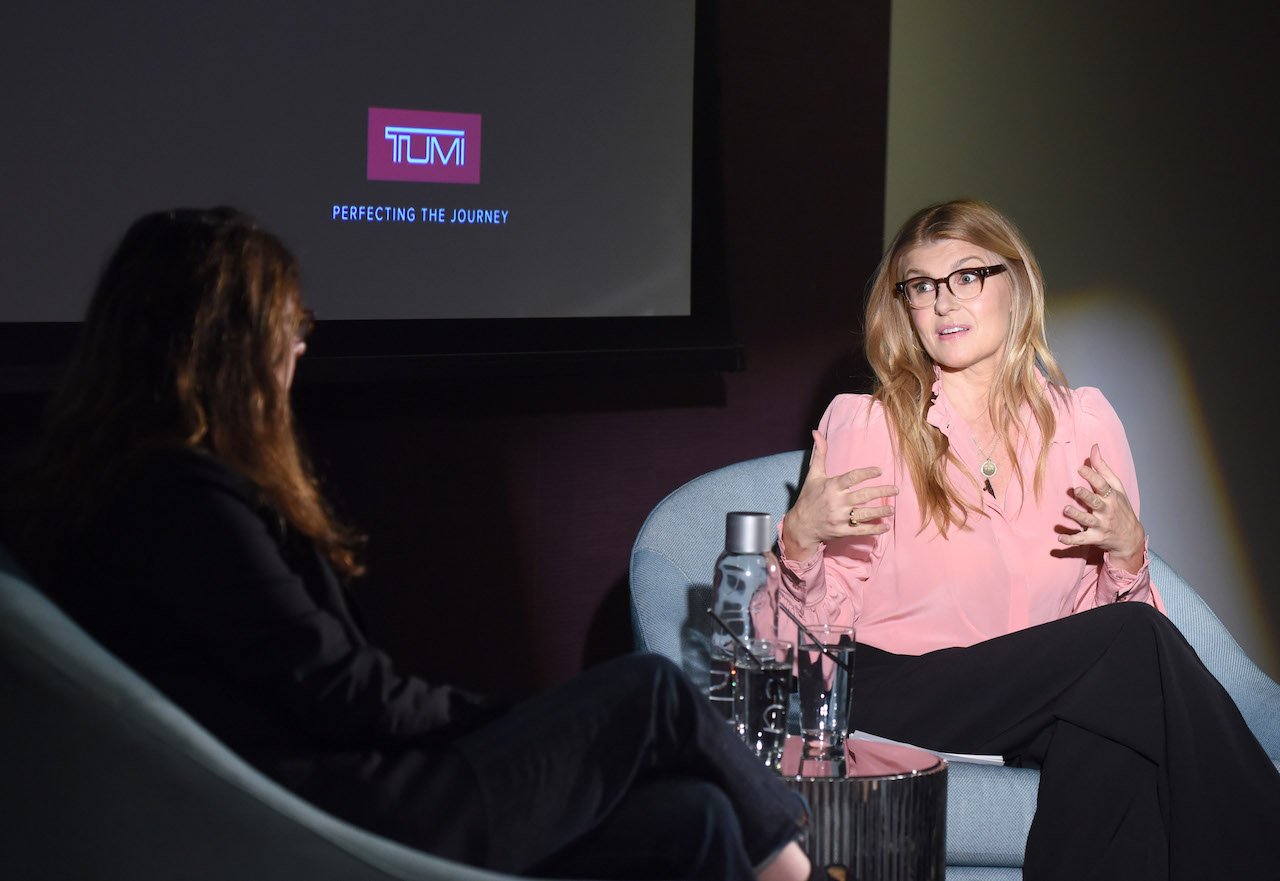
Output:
(762, 695)
(824, 670)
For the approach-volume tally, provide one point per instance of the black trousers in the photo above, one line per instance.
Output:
(1148, 770)
(624, 772)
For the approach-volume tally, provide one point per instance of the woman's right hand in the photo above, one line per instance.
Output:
(833, 507)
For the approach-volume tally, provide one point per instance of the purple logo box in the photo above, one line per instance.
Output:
(424, 146)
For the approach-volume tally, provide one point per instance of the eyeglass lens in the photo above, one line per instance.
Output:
(964, 284)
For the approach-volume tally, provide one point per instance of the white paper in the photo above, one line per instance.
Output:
(972, 758)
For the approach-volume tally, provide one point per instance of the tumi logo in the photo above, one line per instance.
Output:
(423, 146)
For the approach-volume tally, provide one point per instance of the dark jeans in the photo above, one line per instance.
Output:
(623, 772)
(1148, 770)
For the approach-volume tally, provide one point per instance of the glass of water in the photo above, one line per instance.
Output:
(824, 671)
(762, 693)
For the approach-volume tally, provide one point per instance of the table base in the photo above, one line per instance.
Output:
(881, 826)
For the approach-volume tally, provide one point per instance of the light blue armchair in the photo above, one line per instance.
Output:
(989, 809)
(102, 777)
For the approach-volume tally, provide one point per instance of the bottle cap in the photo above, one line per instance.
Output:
(747, 532)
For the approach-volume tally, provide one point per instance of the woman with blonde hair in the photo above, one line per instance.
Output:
(168, 508)
(977, 520)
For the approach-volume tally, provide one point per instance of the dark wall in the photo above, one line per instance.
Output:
(506, 508)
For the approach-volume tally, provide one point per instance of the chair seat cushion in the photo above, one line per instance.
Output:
(989, 811)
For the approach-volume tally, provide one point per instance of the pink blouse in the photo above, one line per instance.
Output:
(910, 591)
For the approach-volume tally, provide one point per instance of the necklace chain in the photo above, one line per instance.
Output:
(988, 464)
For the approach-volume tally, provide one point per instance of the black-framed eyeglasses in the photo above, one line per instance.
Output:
(306, 324)
(965, 284)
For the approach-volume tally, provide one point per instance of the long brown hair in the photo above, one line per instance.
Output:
(183, 346)
(905, 373)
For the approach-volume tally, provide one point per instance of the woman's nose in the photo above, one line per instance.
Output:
(941, 307)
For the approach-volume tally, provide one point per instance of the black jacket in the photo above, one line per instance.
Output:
(195, 583)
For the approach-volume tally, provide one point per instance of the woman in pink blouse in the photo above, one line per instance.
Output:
(977, 520)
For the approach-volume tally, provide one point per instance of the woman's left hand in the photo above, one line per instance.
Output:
(1107, 520)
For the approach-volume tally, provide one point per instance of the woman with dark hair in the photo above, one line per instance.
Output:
(190, 342)
(998, 574)
(168, 508)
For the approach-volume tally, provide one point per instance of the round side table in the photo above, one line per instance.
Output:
(882, 817)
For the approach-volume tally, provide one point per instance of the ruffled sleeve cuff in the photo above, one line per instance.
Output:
(1121, 585)
(802, 579)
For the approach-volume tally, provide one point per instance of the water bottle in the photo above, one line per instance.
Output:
(744, 602)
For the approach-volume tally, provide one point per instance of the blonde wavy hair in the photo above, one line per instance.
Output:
(905, 373)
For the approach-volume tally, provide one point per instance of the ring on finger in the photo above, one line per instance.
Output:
(1107, 493)
(853, 521)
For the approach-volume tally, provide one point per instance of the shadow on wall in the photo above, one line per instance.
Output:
(1114, 341)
